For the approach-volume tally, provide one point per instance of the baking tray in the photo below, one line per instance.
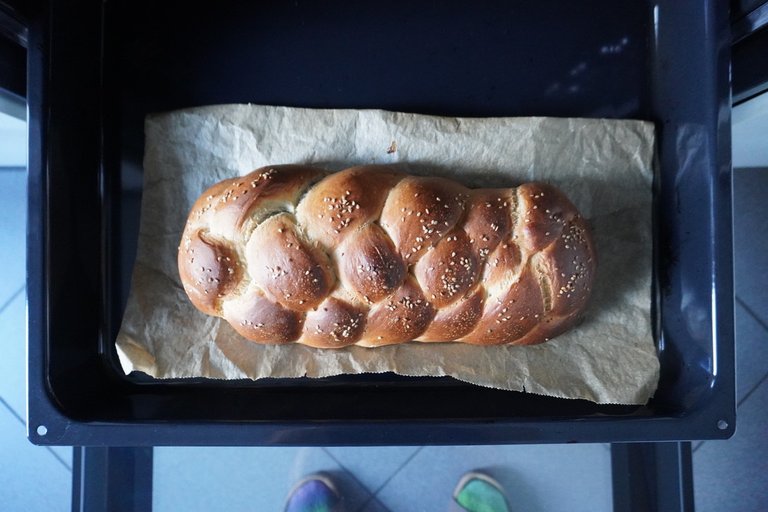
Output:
(97, 70)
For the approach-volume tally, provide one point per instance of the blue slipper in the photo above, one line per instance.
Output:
(315, 493)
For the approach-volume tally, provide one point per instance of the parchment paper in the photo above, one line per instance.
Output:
(605, 166)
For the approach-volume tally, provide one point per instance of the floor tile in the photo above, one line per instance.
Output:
(64, 454)
(13, 360)
(30, 476)
(13, 226)
(582, 473)
(13, 134)
(241, 479)
(372, 466)
(375, 505)
(732, 475)
(750, 120)
(13, 365)
(751, 351)
(750, 226)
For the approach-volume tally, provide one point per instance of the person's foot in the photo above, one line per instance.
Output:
(477, 492)
(315, 493)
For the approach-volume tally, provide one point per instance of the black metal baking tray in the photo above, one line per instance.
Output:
(96, 70)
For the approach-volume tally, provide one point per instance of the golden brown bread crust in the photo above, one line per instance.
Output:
(370, 256)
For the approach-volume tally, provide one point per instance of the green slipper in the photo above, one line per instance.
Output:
(477, 492)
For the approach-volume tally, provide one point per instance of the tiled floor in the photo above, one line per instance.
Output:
(733, 474)
(378, 479)
(729, 475)
(31, 477)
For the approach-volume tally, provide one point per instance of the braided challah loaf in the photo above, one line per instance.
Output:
(370, 256)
